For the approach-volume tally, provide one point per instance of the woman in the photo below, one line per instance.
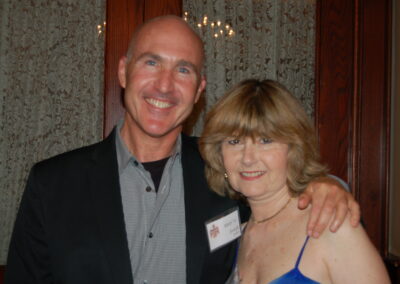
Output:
(259, 145)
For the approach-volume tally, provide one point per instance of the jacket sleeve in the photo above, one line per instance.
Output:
(28, 256)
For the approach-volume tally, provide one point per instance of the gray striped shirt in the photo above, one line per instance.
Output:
(155, 222)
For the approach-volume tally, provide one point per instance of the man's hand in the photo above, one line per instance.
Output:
(330, 201)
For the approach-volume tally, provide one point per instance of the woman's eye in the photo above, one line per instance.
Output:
(233, 141)
(265, 140)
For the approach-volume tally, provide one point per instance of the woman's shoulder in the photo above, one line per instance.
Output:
(350, 249)
(346, 234)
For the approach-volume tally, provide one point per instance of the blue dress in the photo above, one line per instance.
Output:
(294, 276)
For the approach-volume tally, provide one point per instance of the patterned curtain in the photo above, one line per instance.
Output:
(51, 89)
(272, 39)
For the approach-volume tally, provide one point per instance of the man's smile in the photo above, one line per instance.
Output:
(158, 103)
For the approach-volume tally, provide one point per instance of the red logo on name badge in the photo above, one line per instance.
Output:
(214, 232)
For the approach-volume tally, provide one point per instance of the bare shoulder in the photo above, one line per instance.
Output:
(351, 250)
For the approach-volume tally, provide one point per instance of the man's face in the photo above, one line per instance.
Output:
(162, 80)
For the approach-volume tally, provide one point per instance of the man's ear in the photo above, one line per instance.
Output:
(201, 88)
(122, 71)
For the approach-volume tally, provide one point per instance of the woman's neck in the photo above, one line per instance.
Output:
(269, 207)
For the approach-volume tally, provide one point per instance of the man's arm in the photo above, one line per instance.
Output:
(28, 257)
(330, 205)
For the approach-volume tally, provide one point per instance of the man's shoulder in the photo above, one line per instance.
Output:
(76, 158)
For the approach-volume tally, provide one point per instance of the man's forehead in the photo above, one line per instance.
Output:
(168, 47)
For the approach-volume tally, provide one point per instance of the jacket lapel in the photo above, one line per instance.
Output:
(104, 184)
(195, 212)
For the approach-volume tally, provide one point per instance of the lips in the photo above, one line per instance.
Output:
(158, 103)
(253, 174)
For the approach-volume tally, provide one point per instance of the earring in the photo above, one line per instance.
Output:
(225, 175)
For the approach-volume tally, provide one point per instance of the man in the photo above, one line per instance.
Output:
(133, 207)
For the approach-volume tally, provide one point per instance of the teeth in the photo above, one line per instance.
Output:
(157, 103)
(251, 174)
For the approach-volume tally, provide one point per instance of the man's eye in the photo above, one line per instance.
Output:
(183, 70)
(233, 141)
(265, 140)
(150, 62)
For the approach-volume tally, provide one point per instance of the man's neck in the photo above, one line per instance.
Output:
(147, 148)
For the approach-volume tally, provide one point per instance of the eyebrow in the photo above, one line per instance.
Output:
(150, 55)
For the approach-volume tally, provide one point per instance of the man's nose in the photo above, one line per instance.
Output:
(165, 81)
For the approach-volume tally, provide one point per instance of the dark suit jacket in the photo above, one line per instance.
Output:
(70, 226)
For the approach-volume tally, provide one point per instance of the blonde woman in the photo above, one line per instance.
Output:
(260, 146)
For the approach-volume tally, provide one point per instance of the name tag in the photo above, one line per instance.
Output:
(223, 229)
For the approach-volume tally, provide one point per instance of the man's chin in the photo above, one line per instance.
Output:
(160, 133)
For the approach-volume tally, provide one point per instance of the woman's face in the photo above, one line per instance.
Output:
(256, 168)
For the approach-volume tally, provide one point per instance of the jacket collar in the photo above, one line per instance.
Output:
(106, 195)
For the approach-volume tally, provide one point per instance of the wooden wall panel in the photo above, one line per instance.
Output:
(352, 101)
(122, 17)
(155, 8)
(2, 270)
(373, 178)
(334, 83)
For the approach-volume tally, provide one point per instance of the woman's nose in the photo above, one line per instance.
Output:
(248, 153)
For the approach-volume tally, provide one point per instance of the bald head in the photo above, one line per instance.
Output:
(167, 25)
(162, 77)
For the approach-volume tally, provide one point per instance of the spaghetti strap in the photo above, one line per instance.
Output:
(301, 252)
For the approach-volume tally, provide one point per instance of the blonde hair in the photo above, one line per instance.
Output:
(265, 108)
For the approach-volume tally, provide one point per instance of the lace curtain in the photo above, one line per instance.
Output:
(51, 89)
(272, 39)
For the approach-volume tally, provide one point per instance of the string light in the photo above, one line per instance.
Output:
(101, 29)
(216, 28)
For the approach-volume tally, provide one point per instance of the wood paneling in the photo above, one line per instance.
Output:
(2, 269)
(335, 83)
(373, 162)
(155, 8)
(123, 16)
(352, 106)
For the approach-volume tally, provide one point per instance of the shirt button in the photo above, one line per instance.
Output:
(148, 188)
(150, 235)
(136, 163)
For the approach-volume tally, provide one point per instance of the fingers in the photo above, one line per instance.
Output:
(317, 205)
(321, 214)
(304, 200)
(355, 212)
(340, 215)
